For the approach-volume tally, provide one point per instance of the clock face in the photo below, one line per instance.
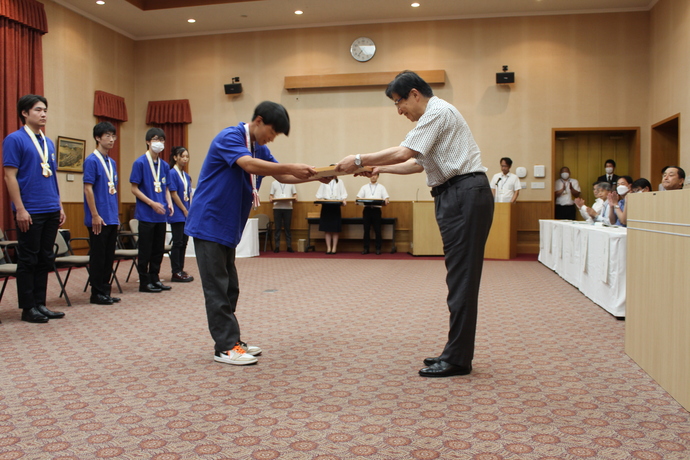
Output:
(363, 49)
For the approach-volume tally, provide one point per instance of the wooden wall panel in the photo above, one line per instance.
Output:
(528, 215)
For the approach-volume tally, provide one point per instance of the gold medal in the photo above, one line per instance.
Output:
(157, 187)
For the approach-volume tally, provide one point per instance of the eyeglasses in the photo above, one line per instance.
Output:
(110, 136)
(397, 101)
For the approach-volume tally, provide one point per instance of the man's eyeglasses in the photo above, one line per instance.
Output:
(397, 101)
(110, 136)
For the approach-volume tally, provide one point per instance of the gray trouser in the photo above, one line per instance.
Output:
(464, 213)
(221, 291)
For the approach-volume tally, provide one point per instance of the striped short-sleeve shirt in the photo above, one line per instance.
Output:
(444, 142)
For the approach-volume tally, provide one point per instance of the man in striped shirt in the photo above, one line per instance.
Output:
(442, 145)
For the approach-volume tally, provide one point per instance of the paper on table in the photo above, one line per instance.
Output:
(328, 171)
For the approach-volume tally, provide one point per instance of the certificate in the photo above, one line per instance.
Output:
(328, 171)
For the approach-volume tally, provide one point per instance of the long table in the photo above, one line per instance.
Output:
(353, 229)
(590, 257)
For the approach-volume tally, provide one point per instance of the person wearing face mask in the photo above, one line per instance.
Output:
(618, 214)
(180, 185)
(610, 176)
(149, 185)
(641, 185)
(566, 189)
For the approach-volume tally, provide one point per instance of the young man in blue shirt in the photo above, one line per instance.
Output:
(149, 186)
(30, 175)
(228, 186)
(101, 212)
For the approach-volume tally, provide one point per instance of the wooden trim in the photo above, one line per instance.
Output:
(666, 120)
(357, 79)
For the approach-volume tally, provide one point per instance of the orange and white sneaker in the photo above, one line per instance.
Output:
(251, 349)
(237, 356)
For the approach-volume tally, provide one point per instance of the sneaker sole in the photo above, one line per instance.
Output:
(235, 362)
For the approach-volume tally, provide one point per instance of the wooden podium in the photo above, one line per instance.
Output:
(426, 237)
(502, 242)
(657, 318)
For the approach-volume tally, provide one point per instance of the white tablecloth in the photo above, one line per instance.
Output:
(591, 258)
(249, 244)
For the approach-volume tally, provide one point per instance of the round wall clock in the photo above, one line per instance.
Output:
(363, 49)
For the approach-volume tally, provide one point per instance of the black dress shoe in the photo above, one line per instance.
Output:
(366, 251)
(149, 288)
(290, 250)
(444, 369)
(100, 299)
(115, 299)
(378, 252)
(431, 361)
(32, 315)
(42, 309)
(276, 250)
(181, 278)
(162, 286)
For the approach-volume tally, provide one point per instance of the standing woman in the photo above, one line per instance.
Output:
(331, 221)
(181, 193)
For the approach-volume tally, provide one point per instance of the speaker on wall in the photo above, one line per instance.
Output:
(233, 88)
(505, 77)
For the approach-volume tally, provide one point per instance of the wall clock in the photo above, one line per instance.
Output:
(363, 49)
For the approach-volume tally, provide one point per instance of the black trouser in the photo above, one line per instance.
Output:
(221, 290)
(179, 247)
(101, 256)
(151, 246)
(464, 212)
(566, 212)
(282, 219)
(372, 216)
(35, 255)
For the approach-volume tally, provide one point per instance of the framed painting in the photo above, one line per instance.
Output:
(70, 154)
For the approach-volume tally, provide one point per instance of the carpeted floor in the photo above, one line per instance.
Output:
(343, 340)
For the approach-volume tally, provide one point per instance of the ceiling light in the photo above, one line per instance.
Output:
(191, 21)
(100, 2)
(415, 5)
(299, 12)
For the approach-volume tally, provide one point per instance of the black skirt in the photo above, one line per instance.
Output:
(331, 220)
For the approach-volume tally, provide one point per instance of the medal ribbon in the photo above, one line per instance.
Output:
(255, 192)
(156, 174)
(184, 182)
(42, 153)
(108, 171)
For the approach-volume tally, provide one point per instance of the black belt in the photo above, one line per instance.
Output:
(436, 191)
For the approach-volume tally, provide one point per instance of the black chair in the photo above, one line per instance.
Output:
(65, 258)
(8, 269)
(264, 228)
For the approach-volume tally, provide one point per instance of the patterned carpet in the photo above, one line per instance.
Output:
(343, 340)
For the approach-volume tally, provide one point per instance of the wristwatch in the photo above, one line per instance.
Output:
(358, 160)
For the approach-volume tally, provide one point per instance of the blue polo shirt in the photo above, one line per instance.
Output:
(106, 204)
(223, 196)
(175, 184)
(39, 194)
(141, 175)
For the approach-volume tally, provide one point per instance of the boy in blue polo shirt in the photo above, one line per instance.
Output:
(228, 186)
(149, 186)
(101, 212)
(30, 175)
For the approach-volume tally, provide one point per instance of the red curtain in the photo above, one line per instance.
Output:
(112, 108)
(22, 24)
(171, 116)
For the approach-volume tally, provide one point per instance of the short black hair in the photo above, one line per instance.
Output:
(641, 183)
(155, 132)
(275, 115)
(604, 186)
(176, 151)
(610, 161)
(405, 82)
(508, 161)
(25, 103)
(628, 179)
(102, 128)
(681, 173)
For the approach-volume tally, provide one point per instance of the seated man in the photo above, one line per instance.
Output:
(599, 210)
(673, 178)
(641, 185)
(618, 214)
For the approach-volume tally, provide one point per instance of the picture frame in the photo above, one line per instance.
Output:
(70, 154)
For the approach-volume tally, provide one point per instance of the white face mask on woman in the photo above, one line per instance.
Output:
(565, 176)
(622, 189)
(157, 147)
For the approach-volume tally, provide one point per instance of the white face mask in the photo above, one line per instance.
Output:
(157, 147)
(565, 176)
(609, 170)
(622, 189)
